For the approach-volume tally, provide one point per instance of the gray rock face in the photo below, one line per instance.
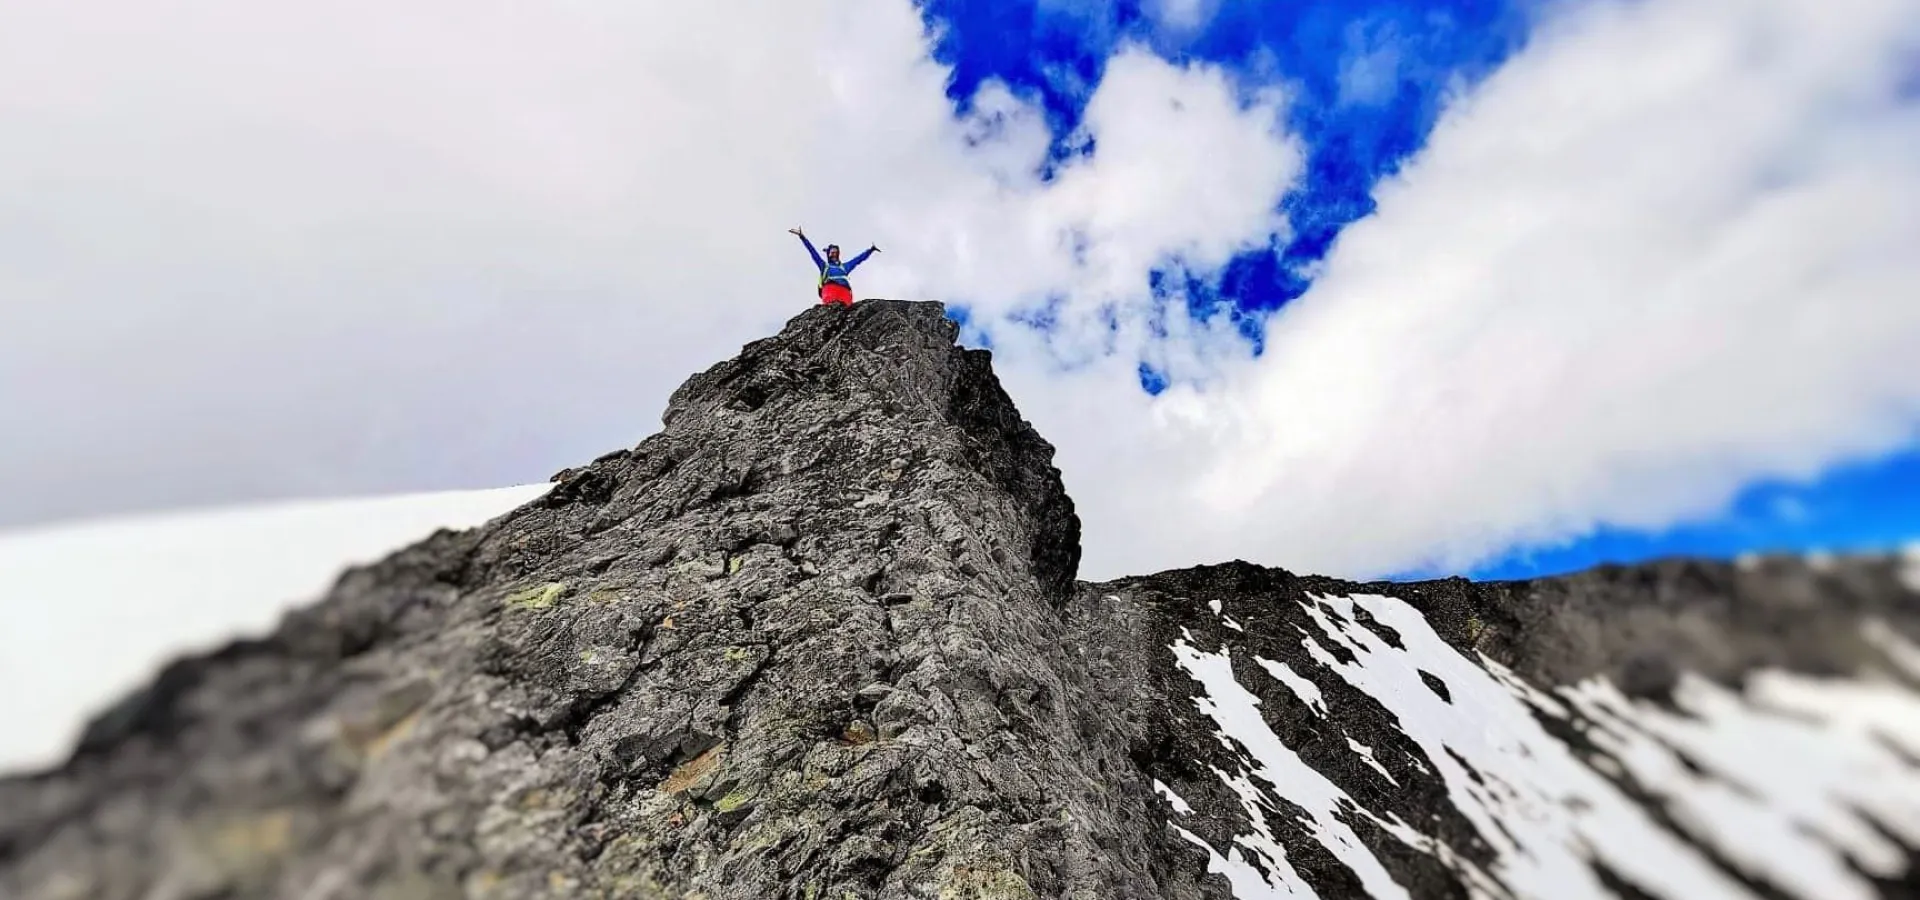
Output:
(821, 638)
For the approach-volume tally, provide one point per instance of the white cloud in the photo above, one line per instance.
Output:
(1664, 252)
(309, 249)
(316, 248)
(1180, 171)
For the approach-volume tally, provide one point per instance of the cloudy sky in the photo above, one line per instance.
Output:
(1354, 286)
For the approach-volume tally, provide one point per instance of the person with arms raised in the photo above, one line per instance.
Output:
(835, 288)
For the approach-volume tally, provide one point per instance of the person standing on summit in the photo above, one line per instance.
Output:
(835, 289)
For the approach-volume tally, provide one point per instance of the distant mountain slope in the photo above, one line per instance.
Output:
(1680, 729)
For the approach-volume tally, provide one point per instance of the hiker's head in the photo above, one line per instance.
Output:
(833, 253)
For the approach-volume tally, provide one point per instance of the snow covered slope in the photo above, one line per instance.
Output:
(1341, 746)
(93, 610)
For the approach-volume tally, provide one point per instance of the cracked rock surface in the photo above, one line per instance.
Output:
(821, 638)
(804, 642)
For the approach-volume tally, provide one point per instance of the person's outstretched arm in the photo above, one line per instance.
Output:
(818, 263)
(860, 259)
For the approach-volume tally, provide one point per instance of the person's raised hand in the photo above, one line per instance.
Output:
(795, 231)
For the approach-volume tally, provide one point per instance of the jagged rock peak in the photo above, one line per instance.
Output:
(807, 641)
(835, 375)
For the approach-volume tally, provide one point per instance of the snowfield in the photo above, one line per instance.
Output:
(1807, 786)
(94, 610)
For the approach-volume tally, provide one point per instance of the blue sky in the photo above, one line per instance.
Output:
(1367, 80)
(1868, 507)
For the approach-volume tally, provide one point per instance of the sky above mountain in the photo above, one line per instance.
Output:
(1367, 288)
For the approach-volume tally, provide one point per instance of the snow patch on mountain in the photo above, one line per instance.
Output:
(1805, 785)
(1236, 711)
(1790, 782)
(1307, 691)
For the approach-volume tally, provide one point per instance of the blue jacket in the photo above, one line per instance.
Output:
(835, 274)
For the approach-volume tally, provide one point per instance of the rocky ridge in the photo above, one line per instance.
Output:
(821, 637)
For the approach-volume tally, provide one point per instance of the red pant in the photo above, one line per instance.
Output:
(836, 294)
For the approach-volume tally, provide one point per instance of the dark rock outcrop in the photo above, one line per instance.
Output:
(821, 638)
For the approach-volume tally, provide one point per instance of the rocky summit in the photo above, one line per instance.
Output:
(821, 638)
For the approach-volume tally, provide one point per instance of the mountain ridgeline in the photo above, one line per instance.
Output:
(821, 638)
